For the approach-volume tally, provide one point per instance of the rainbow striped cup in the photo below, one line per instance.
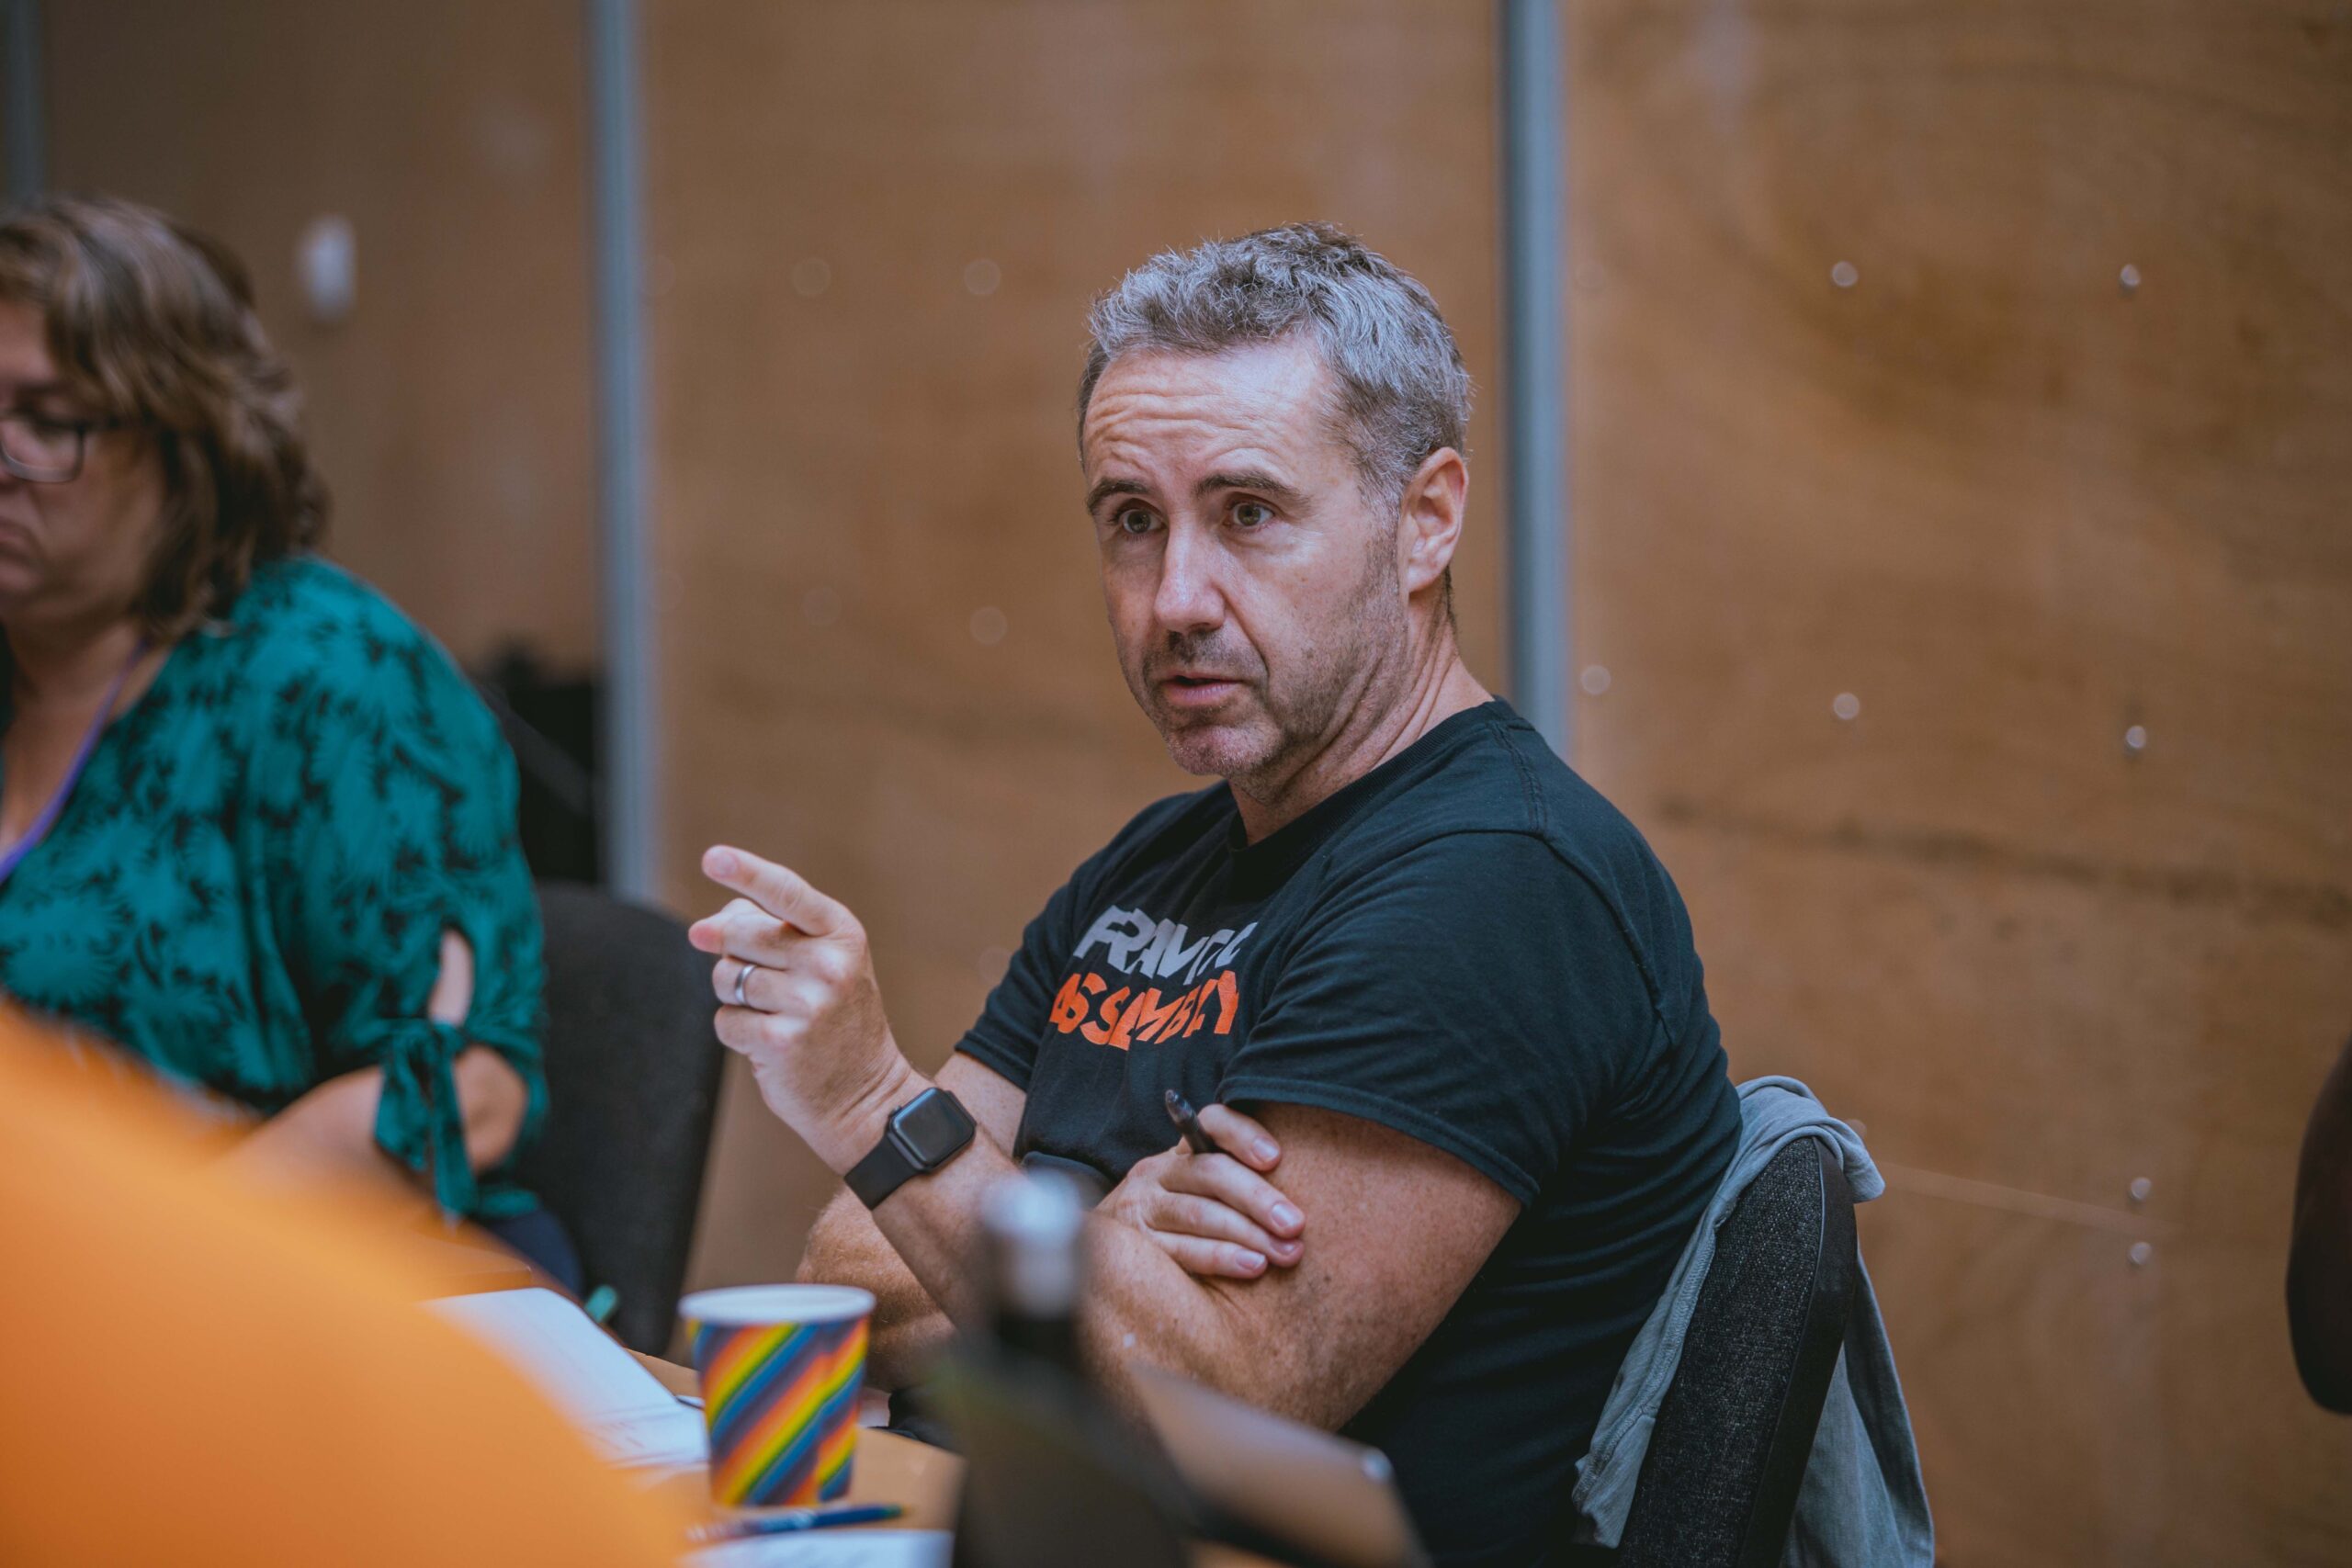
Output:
(781, 1366)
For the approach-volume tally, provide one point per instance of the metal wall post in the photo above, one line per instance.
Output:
(27, 109)
(629, 737)
(1535, 344)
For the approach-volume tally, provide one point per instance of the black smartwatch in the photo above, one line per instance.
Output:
(922, 1134)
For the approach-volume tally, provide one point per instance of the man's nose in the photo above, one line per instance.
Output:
(1189, 598)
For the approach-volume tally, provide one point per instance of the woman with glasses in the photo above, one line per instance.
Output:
(254, 828)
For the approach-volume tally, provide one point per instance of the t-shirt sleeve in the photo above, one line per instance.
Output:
(1473, 993)
(394, 798)
(1012, 1021)
(1004, 1037)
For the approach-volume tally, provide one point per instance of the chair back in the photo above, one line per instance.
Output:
(633, 1072)
(1718, 1488)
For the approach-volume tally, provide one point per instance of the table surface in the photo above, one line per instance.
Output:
(888, 1468)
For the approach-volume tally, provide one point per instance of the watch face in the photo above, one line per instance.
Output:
(933, 1125)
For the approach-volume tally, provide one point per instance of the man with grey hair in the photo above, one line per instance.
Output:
(1438, 996)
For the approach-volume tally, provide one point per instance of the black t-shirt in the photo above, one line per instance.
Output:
(1469, 945)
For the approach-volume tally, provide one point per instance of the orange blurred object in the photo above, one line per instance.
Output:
(202, 1372)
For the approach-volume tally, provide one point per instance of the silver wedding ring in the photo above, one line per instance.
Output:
(742, 977)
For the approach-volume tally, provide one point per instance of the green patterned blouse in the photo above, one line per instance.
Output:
(248, 887)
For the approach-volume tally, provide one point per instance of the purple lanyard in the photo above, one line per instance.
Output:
(14, 853)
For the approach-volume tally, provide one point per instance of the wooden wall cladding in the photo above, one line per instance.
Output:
(451, 411)
(1991, 366)
(875, 230)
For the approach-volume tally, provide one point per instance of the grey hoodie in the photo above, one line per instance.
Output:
(1862, 1502)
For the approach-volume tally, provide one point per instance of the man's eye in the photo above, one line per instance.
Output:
(1134, 520)
(1253, 513)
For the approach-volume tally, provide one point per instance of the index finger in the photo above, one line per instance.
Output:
(1241, 1137)
(1235, 1185)
(780, 890)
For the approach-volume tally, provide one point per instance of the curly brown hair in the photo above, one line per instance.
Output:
(153, 323)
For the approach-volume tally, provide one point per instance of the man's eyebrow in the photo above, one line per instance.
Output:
(1264, 483)
(24, 389)
(1105, 489)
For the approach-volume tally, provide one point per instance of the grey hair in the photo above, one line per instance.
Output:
(1402, 393)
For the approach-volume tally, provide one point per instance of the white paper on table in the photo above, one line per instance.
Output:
(628, 1415)
(829, 1549)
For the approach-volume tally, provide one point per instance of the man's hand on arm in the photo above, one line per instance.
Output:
(1216, 1214)
(1400, 1228)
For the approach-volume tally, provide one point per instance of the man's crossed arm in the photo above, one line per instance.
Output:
(845, 1247)
(1400, 1227)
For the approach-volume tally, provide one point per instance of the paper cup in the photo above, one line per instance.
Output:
(781, 1367)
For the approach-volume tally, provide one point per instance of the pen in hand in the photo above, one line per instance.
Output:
(1179, 1110)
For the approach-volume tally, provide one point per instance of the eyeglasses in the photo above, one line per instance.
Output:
(46, 451)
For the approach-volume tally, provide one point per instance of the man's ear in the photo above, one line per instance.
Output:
(1429, 520)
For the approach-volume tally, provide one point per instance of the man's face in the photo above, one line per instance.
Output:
(1252, 586)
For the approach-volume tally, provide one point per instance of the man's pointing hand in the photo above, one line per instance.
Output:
(800, 1002)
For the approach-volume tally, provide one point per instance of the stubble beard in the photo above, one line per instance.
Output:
(1260, 755)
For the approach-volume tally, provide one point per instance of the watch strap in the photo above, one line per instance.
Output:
(882, 1172)
(894, 1162)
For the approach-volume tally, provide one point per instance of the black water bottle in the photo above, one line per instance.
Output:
(1034, 1234)
(1052, 1478)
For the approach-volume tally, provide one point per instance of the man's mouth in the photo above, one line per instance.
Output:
(1196, 688)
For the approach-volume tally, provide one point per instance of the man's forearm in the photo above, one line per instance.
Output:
(909, 1331)
(806, 1012)
(844, 1247)
(1140, 1306)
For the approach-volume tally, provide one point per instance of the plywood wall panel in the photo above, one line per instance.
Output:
(451, 411)
(2000, 1026)
(876, 229)
(2019, 1057)
(1866, 403)
(2011, 507)
(2024, 1345)
(2074, 1406)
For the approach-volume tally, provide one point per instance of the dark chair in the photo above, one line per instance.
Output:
(633, 1073)
(1719, 1484)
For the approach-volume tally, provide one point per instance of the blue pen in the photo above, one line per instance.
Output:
(791, 1520)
